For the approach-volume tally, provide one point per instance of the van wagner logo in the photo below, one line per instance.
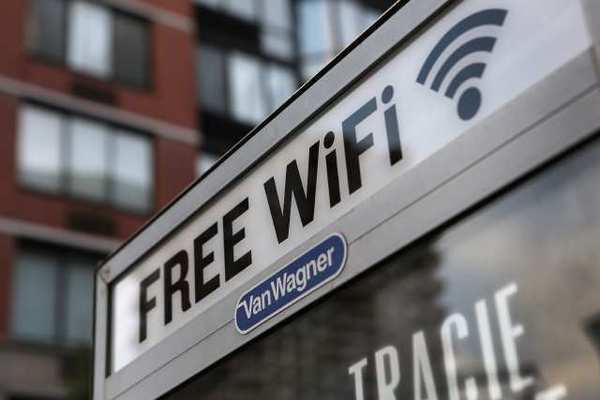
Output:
(470, 98)
(313, 269)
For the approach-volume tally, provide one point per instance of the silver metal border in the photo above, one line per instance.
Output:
(543, 122)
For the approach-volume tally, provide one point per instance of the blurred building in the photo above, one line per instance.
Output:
(98, 131)
(253, 54)
(108, 109)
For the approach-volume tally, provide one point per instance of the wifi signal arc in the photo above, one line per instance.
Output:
(470, 100)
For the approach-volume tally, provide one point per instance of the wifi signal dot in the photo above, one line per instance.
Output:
(469, 103)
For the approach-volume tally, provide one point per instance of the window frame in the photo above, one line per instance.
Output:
(228, 43)
(41, 55)
(113, 77)
(65, 177)
(63, 258)
(265, 64)
(309, 60)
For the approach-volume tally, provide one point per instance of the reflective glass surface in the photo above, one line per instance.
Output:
(46, 28)
(277, 43)
(204, 162)
(132, 171)
(245, 91)
(88, 162)
(52, 296)
(79, 299)
(131, 50)
(246, 9)
(90, 39)
(315, 29)
(40, 148)
(210, 65)
(35, 298)
(281, 83)
(277, 13)
(502, 304)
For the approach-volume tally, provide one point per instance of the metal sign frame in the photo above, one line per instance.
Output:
(551, 117)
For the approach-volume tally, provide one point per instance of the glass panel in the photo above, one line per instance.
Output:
(34, 297)
(501, 305)
(88, 164)
(281, 85)
(276, 13)
(40, 133)
(369, 16)
(132, 172)
(245, 91)
(79, 300)
(211, 79)
(90, 39)
(131, 50)
(315, 28)
(46, 28)
(204, 162)
(350, 20)
(312, 65)
(245, 9)
(208, 3)
(277, 43)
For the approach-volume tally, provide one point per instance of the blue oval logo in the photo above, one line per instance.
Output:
(296, 280)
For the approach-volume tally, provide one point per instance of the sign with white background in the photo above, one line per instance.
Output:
(472, 61)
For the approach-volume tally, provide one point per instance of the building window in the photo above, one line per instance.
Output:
(46, 28)
(99, 41)
(132, 54)
(40, 149)
(88, 164)
(84, 158)
(132, 171)
(90, 39)
(277, 29)
(211, 79)
(52, 296)
(246, 65)
(242, 86)
(326, 27)
(248, 102)
(204, 162)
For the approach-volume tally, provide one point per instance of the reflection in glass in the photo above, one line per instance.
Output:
(131, 50)
(350, 20)
(79, 299)
(315, 31)
(520, 275)
(204, 162)
(210, 64)
(40, 141)
(277, 13)
(90, 38)
(132, 176)
(243, 9)
(34, 298)
(46, 28)
(245, 91)
(277, 43)
(88, 159)
(281, 84)
(327, 26)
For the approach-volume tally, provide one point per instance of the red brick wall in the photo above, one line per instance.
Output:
(171, 99)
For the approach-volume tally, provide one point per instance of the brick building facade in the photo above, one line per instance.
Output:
(108, 109)
(98, 131)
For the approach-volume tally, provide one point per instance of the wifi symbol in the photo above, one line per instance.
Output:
(470, 99)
